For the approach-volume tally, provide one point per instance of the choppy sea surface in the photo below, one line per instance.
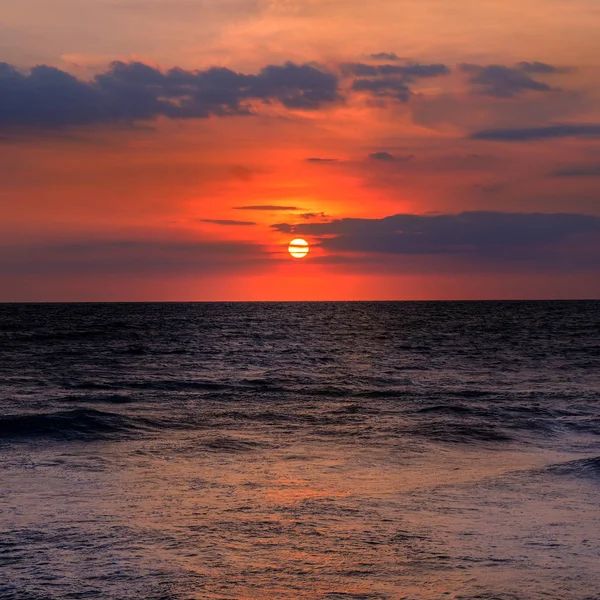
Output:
(343, 451)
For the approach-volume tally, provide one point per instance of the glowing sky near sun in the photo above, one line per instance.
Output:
(171, 149)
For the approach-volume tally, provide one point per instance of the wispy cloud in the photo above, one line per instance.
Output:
(385, 56)
(386, 156)
(526, 134)
(227, 222)
(581, 171)
(314, 215)
(505, 82)
(317, 160)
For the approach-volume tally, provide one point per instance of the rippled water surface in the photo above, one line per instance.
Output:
(300, 450)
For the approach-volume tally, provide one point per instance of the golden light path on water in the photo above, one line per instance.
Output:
(298, 248)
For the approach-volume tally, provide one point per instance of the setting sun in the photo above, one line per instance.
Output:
(298, 248)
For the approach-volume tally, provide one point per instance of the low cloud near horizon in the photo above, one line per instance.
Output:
(484, 235)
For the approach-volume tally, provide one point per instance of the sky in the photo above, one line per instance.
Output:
(169, 150)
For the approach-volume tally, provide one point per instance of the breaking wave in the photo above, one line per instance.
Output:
(77, 424)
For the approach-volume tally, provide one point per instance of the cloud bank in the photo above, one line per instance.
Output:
(483, 234)
(47, 97)
(527, 134)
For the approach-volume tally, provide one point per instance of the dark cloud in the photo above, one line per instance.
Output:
(382, 156)
(492, 234)
(505, 82)
(284, 227)
(359, 70)
(540, 67)
(386, 156)
(583, 171)
(226, 222)
(385, 87)
(313, 215)
(385, 56)
(47, 97)
(408, 72)
(316, 159)
(272, 207)
(526, 134)
(390, 80)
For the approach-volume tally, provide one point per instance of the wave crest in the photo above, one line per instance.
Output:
(80, 423)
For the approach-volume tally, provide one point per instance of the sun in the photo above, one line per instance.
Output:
(298, 248)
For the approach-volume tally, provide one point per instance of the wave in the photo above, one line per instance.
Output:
(140, 350)
(376, 394)
(582, 424)
(175, 385)
(454, 409)
(77, 424)
(355, 409)
(586, 468)
(460, 433)
(97, 399)
(470, 393)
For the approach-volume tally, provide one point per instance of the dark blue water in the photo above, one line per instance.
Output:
(300, 450)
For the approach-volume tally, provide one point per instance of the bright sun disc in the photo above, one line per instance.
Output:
(298, 248)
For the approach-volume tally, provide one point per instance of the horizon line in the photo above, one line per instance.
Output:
(5, 302)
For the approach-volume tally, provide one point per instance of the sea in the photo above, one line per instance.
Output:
(334, 450)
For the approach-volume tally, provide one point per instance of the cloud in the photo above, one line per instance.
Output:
(316, 159)
(386, 156)
(390, 80)
(409, 72)
(272, 207)
(226, 222)
(584, 171)
(132, 92)
(540, 67)
(385, 56)
(47, 97)
(384, 87)
(527, 134)
(505, 82)
(491, 234)
(314, 215)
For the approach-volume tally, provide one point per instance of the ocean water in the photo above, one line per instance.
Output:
(341, 451)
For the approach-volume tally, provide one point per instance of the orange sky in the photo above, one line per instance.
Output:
(147, 206)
